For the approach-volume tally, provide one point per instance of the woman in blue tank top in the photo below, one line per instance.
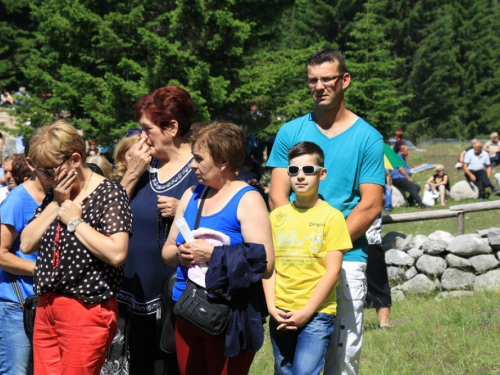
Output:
(236, 213)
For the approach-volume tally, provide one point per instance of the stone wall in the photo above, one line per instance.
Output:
(442, 263)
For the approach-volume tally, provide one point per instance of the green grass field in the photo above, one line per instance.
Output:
(448, 337)
(429, 337)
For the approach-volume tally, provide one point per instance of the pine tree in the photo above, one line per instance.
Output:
(375, 89)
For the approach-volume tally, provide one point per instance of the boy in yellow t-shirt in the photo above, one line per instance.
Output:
(309, 239)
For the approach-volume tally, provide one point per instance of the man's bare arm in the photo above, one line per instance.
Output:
(363, 215)
(280, 188)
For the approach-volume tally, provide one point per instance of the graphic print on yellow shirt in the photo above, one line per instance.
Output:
(301, 238)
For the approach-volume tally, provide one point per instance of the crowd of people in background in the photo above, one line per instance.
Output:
(477, 162)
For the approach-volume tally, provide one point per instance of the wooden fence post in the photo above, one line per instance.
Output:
(460, 223)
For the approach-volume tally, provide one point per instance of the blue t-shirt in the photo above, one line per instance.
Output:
(17, 210)
(396, 173)
(354, 157)
(225, 221)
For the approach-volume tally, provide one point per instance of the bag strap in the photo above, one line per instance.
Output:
(17, 290)
(202, 202)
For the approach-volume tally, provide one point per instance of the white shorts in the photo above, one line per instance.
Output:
(344, 351)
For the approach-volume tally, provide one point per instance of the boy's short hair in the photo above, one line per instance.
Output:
(307, 148)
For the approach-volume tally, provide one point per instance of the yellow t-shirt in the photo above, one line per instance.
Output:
(301, 238)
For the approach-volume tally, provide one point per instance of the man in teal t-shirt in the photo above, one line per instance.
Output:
(354, 158)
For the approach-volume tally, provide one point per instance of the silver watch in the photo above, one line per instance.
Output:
(73, 224)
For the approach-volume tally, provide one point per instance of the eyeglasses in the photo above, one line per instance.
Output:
(133, 132)
(294, 170)
(51, 172)
(327, 81)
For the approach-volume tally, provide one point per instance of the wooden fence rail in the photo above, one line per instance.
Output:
(454, 211)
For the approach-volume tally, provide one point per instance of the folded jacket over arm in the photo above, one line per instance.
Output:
(235, 272)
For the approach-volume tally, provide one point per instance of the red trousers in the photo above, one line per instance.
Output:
(71, 337)
(198, 353)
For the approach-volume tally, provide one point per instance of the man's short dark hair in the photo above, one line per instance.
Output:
(307, 148)
(327, 55)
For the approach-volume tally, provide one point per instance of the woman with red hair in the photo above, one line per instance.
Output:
(158, 173)
(398, 134)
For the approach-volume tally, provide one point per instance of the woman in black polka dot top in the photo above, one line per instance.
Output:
(81, 231)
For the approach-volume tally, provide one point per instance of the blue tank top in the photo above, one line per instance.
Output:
(224, 221)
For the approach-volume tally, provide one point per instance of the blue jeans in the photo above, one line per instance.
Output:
(15, 348)
(302, 351)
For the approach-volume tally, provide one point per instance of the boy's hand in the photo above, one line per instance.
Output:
(296, 319)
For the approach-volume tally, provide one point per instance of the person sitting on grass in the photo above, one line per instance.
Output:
(401, 179)
(439, 184)
(309, 239)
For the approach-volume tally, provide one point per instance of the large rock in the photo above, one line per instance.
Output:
(441, 235)
(418, 241)
(463, 190)
(457, 262)
(393, 240)
(415, 254)
(398, 258)
(490, 280)
(398, 200)
(482, 232)
(454, 279)
(484, 262)
(397, 295)
(431, 266)
(408, 242)
(493, 231)
(494, 242)
(469, 245)
(411, 273)
(434, 247)
(420, 284)
(395, 274)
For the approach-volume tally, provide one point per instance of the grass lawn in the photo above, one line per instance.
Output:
(447, 337)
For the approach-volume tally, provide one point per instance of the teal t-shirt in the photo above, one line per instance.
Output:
(353, 157)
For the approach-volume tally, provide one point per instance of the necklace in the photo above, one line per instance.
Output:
(36, 192)
(88, 182)
(55, 252)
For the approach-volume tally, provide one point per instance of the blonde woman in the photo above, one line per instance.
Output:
(81, 231)
(102, 164)
(439, 184)
(122, 155)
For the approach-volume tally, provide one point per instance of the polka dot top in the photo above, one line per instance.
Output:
(80, 273)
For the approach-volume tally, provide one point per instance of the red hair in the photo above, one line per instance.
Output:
(164, 105)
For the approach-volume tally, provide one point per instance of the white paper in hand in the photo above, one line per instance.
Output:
(184, 229)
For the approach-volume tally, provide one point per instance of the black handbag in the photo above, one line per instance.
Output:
(211, 315)
(29, 308)
(165, 317)
(29, 315)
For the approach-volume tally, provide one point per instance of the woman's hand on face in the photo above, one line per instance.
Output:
(196, 252)
(167, 206)
(140, 157)
(62, 185)
(69, 211)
